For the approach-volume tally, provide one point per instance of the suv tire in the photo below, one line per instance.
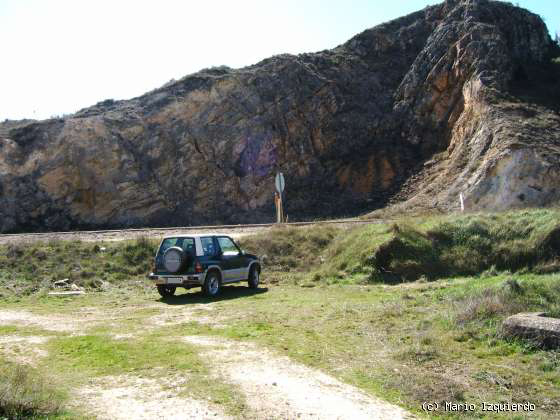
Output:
(254, 277)
(166, 291)
(212, 284)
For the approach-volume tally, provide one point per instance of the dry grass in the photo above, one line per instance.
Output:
(509, 298)
(24, 393)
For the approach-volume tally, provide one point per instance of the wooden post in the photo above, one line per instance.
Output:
(281, 208)
(277, 206)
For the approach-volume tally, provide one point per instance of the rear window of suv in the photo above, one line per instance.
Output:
(186, 244)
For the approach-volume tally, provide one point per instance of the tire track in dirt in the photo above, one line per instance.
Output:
(128, 397)
(276, 387)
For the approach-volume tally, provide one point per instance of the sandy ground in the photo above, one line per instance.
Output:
(274, 386)
(128, 397)
(49, 323)
(277, 387)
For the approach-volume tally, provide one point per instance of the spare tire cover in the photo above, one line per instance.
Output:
(173, 259)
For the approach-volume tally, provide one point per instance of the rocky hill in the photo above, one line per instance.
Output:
(458, 97)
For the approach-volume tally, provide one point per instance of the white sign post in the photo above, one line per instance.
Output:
(280, 184)
(461, 199)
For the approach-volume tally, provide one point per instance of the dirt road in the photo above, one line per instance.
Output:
(236, 231)
(271, 385)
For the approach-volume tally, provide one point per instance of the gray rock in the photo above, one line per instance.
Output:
(536, 327)
(62, 283)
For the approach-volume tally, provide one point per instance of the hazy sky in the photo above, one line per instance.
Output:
(59, 56)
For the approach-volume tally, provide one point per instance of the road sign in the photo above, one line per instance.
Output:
(279, 182)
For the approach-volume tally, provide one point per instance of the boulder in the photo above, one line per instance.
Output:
(536, 327)
(62, 283)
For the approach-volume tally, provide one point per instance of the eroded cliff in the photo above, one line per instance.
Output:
(453, 98)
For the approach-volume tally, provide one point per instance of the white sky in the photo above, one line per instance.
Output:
(59, 56)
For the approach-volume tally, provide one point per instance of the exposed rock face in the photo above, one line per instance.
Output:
(426, 105)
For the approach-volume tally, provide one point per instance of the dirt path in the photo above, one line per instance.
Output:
(49, 323)
(127, 234)
(128, 397)
(276, 387)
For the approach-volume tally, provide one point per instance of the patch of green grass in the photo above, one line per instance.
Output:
(289, 252)
(101, 355)
(25, 393)
(408, 249)
(156, 355)
(468, 245)
(290, 248)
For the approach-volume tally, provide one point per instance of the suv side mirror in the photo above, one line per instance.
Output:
(241, 252)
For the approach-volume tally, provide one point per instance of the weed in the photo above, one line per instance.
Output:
(24, 393)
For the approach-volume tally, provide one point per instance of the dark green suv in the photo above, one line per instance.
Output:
(206, 261)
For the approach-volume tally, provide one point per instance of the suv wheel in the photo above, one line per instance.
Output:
(254, 278)
(166, 291)
(212, 284)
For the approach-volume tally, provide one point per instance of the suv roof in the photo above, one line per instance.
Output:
(197, 235)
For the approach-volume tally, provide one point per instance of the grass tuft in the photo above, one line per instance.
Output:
(24, 393)
(509, 298)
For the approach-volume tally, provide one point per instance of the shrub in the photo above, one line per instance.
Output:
(25, 394)
(471, 245)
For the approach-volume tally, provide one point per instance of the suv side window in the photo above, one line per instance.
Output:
(228, 246)
(208, 246)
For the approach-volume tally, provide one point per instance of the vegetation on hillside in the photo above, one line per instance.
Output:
(29, 268)
(404, 250)
(409, 249)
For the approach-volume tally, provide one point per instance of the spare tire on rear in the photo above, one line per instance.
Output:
(174, 259)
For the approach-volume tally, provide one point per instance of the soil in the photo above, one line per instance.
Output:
(274, 386)
(128, 397)
(277, 387)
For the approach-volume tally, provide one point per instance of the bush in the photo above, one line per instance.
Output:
(25, 394)
(470, 245)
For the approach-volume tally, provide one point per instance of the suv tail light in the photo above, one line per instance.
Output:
(198, 267)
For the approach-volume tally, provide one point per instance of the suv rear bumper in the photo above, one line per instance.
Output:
(178, 280)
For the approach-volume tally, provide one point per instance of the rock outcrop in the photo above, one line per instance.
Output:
(537, 327)
(455, 98)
